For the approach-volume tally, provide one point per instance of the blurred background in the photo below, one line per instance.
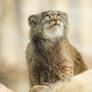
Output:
(14, 32)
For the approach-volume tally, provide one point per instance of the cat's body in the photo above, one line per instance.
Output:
(50, 57)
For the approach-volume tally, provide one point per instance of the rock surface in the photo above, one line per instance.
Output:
(4, 89)
(37, 88)
(79, 83)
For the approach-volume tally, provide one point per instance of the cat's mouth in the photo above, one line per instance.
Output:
(53, 24)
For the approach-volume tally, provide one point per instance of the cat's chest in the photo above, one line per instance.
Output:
(48, 56)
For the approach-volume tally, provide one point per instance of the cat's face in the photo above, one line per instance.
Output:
(52, 23)
(54, 18)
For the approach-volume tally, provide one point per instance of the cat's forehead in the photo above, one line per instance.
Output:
(51, 12)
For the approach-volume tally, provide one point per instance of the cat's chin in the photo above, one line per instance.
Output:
(55, 27)
(53, 32)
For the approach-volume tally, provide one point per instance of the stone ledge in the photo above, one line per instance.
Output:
(4, 88)
(79, 83)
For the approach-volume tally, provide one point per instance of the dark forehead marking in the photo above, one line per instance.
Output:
(51, 12)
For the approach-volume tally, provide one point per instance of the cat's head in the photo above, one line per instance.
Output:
(51, 23)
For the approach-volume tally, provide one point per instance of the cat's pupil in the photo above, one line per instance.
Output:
(58, 14)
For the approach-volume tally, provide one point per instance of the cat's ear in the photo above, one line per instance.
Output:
(32, 20)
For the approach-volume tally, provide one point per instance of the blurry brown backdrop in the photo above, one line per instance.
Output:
(14, 32)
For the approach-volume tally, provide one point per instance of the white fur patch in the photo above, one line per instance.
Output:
(54, 32)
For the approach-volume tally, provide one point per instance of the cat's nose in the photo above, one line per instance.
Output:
(55, 19)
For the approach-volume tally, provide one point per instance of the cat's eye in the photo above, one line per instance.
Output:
(47, 17)
(58, 14)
